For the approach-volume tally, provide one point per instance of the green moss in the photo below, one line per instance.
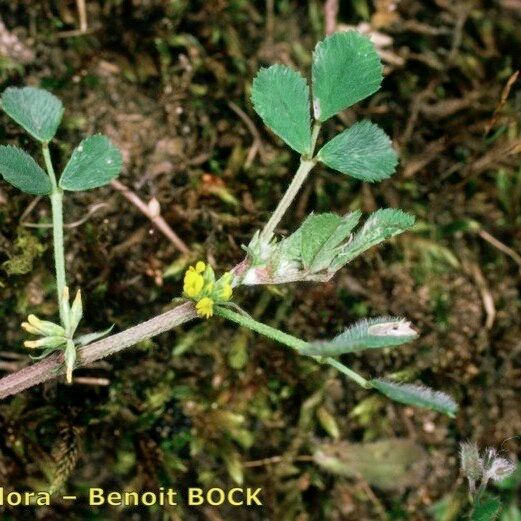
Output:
(26, 249)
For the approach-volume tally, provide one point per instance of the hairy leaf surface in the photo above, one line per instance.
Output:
(363, 151)
(39, 112)
(21, 170)
(94, 162)
(417, 396)
(280, 96)
(374, 333)
(316, 243)
(346, 69)
(382, 225)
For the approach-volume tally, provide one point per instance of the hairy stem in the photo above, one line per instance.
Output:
(57, 232)
(314, 136)
(303, 170)
(307, 162)
(289, 340)
(263, 329)
(52, 366)
(353, 375)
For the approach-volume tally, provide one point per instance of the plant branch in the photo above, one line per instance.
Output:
(307, 162)
(263, 329)
(57, 233)
(52, 366)
(290, 341)
(303, 170)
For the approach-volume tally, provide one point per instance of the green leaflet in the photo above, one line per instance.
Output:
(374, 333)
(36, 110)
(346, 69)
(417, 396)
(363, 151)
(486, 510)
(89, 338)
(315, 244)
(21, 170)
(94, 162)
(382, 225)
(280, 96)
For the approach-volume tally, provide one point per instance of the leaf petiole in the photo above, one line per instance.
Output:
(288, 340)
(57, 227)
(307, 162)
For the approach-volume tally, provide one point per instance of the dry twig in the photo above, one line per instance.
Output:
(152, 212)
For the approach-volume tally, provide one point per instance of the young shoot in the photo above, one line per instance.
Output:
(482, 468)
(346, 69)
(94, 162)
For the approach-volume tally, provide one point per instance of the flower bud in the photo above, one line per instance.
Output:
(205, 307)
(76, 312)
(500, 469)
(44, 327)
(471, 463)
(45, 342)
(31, 329)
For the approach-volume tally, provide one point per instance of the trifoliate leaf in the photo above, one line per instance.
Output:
(417, 396)
(362, 151)
(36, 110)
(382, 225)
(315, 244)
(346, 69)
(375, 333)
(94, 162)
(21, 170)
(280, 97)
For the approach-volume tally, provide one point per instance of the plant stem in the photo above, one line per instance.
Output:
(53, 365)
(263, 329)
(314, 136)
(289, 340)
(360, 380)
(307, 162)
(57, 232)
(303, 170)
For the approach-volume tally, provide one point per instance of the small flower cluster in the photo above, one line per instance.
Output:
(53, 335)
(201, 287)
(485, 467)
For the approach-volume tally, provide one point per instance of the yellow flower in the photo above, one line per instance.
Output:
(226, 292)
(200, 267)
(205, 307)
(193, 283)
